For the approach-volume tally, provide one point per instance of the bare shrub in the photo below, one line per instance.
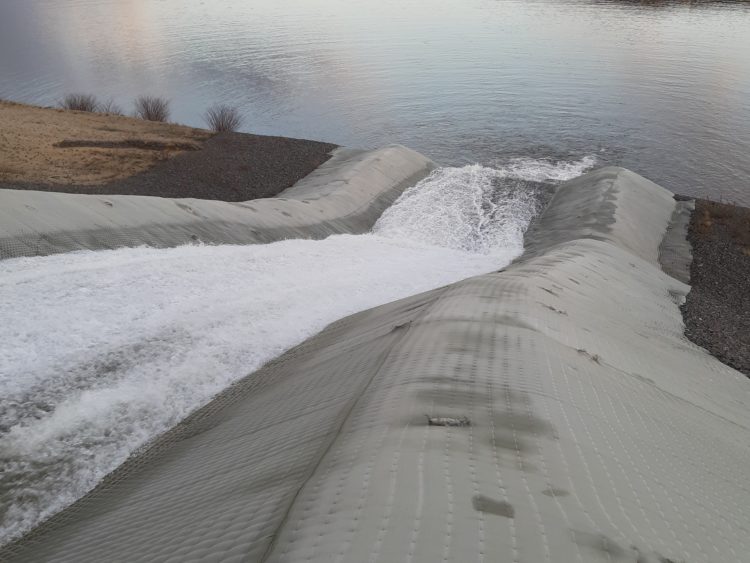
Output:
(110, 107)
(152, 108)
(80, 102)
(221, 117)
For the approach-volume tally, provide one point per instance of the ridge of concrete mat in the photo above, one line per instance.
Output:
(591, 428)
(346, 194)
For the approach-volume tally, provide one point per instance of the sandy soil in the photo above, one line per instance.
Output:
(54, 146)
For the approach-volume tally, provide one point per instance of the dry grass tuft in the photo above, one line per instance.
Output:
(80, 102)
(221, 117)
(110, 107)
(152, 108)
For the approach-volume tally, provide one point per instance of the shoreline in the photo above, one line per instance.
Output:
(56, 150)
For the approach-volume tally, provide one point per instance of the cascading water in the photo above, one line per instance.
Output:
(487, 215)
(102, 351)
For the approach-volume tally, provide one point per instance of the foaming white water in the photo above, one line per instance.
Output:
(102, 351)
(533, 170)
(468, 208)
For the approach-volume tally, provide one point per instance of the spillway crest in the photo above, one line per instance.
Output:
(102, 351)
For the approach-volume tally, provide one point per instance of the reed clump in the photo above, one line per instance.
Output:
(80, 102)
(152, 108)
(222, 117)
(110, 107)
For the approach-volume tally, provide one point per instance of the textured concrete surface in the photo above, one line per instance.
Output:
(345, 195)
(585, 426)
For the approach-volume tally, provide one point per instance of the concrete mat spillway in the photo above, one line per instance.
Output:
(345, 195)
(552, 411)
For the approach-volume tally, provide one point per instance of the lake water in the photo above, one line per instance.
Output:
(662, 88)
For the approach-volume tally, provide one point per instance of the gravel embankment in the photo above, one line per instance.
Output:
(717, 309)
(228, 167)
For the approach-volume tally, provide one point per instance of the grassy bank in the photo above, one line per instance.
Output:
(54, 149)
(33, 145)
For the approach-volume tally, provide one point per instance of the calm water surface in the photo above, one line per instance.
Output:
(659, 87)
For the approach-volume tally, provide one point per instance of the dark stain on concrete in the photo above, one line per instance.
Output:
(514, 427)
(663, 559)
(525, 423)
(405, 324)
(555, 492)
(452, 396)
(593, 357)
(507, 441)
(458, 349)
(554, 309)
(482, 503)
(515, 397)
(601, 543)
(643, 378)
(612, 551)
(513, 321)
(186, 208)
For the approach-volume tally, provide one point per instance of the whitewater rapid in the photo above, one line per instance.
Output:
(102, 351)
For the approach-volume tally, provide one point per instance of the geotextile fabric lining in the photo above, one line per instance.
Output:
(345, 195)
(586, 427)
